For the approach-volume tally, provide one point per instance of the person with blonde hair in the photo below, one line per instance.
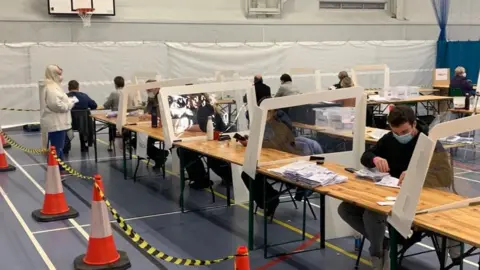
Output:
(56, 118)
(460, 81)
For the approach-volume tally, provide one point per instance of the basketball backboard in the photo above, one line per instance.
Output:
(66, 7)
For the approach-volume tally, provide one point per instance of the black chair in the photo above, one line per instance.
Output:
(288, 189)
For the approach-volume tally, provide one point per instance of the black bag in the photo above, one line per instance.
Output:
(31, 128)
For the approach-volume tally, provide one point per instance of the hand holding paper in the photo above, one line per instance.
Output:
(74, 99)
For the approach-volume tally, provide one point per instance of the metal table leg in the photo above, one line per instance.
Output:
(95, 139)
(182, 179)
(322, 221)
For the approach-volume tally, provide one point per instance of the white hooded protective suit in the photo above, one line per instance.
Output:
(56, 116)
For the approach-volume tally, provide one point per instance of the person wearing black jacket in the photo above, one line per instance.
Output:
(196, 171)
(391, 154)
(81, 120)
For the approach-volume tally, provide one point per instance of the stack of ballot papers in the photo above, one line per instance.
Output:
(381, 179)
(372, 174)
(309, 173)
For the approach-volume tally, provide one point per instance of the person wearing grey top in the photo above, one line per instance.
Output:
(286, 87)
(114, 97)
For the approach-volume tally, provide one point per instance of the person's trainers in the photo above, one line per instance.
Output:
(377, 263)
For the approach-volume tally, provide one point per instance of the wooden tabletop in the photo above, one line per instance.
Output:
(102, 117)
(413, 99)
(463, 111)
(225, 101)
(376, 91)
(346, 134)
(445, 85)
(231, 151)
(157, 133)
(460, 224)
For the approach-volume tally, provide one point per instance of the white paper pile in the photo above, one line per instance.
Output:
(310, 174)
(372, 174)
(389, 181)
(456, 139)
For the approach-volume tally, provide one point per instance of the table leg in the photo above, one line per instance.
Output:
(322, 221)
(182, 178)
(95, 139)
(124, 148)
(304, 218)
(443, 253)
(250, 215)
(393, 248)
(265, 233)
(130, 146)
(164, 159)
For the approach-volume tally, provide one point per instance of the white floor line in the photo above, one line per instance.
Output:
(111, 221)
(288, 197)
(35, 183)
(27, 230)
(468, 179)
(75, 161)
(431, 248)
(419, 244)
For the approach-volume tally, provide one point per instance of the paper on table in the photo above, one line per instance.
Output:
(386, 203)
(378, 133)
(391, 198)
(389, 181)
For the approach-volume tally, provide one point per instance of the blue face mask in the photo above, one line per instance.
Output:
(403, 139)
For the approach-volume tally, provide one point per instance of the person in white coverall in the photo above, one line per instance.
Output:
(56, 119)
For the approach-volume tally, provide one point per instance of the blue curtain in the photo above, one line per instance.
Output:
(461, 53)
(441, 8)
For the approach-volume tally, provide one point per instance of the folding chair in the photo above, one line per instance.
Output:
(287, 189)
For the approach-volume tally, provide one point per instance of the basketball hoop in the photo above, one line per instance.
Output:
(86, 15)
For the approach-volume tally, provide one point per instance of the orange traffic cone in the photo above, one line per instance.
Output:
(4, 142)
(54, 205)
(4, 167)
(241, 261)
(101, 251)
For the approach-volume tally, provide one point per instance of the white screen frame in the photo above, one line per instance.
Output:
(385, 68)
(259, 117)
(167, 121)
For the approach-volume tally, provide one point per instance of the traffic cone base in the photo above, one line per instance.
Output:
(7, 145)
(40, 217)
(9, 168)
(122, 263)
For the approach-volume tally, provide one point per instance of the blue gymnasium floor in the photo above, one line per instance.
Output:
(151, 207)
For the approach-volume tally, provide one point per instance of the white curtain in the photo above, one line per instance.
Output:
(95, 65)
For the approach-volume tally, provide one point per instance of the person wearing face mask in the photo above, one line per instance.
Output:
(56, 118)
(392, 155)
(158, 155)
(460, 81)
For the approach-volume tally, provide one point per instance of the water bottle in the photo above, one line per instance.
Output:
(154, 117)
(210, 129)
(358, 241)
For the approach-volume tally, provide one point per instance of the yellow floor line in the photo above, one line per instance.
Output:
(279, 222)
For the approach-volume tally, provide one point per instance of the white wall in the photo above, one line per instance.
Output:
(223, 20)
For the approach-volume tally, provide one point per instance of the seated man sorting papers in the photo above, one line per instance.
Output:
(392, 154)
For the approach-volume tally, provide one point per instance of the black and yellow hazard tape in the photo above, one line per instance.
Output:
(137, 239)
(23, 148)
(126, 228)
(19, 110)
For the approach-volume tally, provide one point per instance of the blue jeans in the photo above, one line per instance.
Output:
(57, 139)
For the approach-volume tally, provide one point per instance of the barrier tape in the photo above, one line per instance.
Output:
(135, 237)
(19, 110)
(24, 149)
(126, 228)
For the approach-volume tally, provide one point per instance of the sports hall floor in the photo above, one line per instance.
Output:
(151, 207)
